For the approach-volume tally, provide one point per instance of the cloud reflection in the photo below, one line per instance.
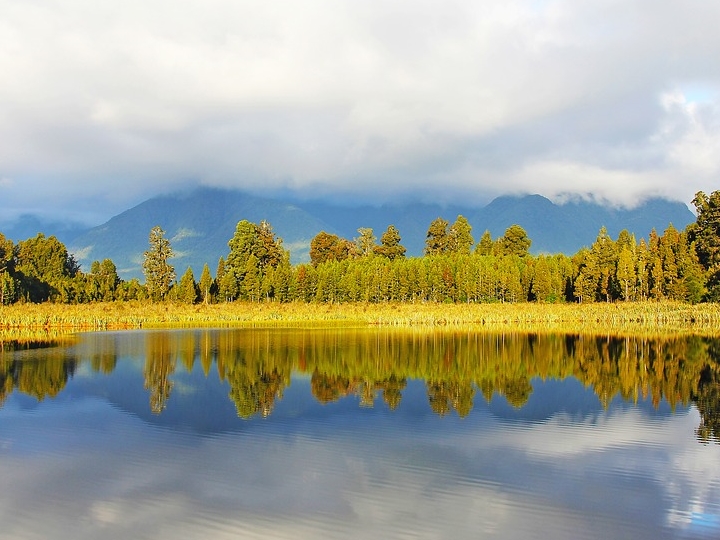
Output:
(107, 474)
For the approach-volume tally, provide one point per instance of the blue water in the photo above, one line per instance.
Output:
(95, 462)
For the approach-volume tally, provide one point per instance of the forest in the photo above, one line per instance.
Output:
(674, 265)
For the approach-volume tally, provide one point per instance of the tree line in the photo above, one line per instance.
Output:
(675, 265)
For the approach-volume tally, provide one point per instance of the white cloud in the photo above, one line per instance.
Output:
(121, 100)
(136, 480)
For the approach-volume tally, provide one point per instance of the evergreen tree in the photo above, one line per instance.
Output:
(436, 241)
(254, 251)
(390, 246)
(187, 288)
(585, 285)
(219, 276)
(103, 281)
(159, 273)
(460, 239)
(705, 235)
(205, 285)
(45, 269)
(542, 281)
(605, 255)
(515, 241)
(626, 272)
(8, 283)
(485, 245)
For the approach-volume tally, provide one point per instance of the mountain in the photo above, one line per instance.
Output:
(28, 226)
(200, 222)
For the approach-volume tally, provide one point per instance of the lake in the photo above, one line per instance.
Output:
(359, 433)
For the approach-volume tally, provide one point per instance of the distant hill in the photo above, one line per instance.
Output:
(28, 226)
(199, 224)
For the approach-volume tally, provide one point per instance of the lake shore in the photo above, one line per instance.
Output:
(592, 317)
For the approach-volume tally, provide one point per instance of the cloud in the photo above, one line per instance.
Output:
(122, 100)
(304, 479)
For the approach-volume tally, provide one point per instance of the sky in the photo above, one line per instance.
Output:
(105, 104)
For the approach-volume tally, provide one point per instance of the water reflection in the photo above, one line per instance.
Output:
(376, 364)
(360, 433)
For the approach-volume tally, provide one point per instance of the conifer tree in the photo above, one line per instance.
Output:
(705, 235)
(436, 240)
(187, 288)
(205, 285)
(159, 273)
(45, 269)
(515, 241)
(460, 239)
(485, 245)
(390, 246)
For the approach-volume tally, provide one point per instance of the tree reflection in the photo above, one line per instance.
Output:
(257, 365)
(159, 366)
(255, 393)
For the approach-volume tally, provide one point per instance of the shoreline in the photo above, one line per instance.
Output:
(623, 317)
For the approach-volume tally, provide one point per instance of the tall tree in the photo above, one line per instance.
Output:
(705, 234)
(485, 245)
(205, 285)
(365, 243)
(515, 241)
(103, 280)
(159, 273)
(326, 247)
(8, 283)
(45, 269)
(187, 288)
(605, 254)
(390, 246)
(460, 239)
(254, 250)
(436, 240)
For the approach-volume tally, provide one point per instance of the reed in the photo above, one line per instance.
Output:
(596, 317)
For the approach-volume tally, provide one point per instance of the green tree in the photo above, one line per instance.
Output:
(515, 241)
(159, 273)
(45, 269)
(205, 285)
(187, 288)
(705, 235)
(436, 240)
(460, 239)
(8, 283)
(103, 280)
(585, 285)
(606, 256)
(626, 272)
(390, 246)
(254, 250)
(326, 247)
(365, 243)
(485, 245)
(542, 281)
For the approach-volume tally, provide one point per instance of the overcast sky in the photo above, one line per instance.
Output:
(103, 104)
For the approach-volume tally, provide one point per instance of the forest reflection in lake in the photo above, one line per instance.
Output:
(357, 432)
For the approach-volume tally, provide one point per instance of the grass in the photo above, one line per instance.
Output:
(596, 317)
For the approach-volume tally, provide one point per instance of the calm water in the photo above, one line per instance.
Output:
(359, 434)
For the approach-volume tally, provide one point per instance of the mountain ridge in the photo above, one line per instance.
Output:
(200, 222)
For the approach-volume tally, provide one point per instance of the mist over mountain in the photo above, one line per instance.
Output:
(200, 222)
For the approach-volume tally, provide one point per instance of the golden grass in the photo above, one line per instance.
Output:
(596, 318)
